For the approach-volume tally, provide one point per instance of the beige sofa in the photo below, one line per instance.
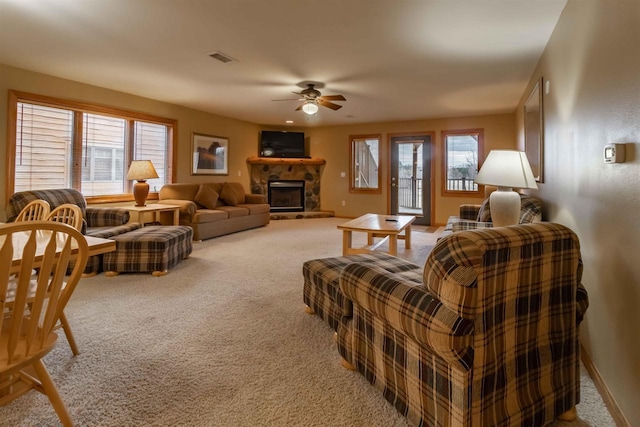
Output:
(215, 209)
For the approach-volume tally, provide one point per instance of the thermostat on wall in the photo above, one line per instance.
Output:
(614, 153)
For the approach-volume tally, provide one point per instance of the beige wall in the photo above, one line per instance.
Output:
(332, 143)
(593, 64)
(243, 136)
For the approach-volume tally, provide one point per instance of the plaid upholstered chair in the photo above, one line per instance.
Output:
(489, 338)
(473, 216)
(104, 222)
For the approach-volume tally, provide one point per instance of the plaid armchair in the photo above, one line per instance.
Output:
(104, 222)
(473, 216)
(490, 338)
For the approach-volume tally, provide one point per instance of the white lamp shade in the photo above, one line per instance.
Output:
(310, 108)
(506, 168)
(141, 170)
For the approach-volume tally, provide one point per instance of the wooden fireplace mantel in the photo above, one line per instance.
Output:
(279, 161)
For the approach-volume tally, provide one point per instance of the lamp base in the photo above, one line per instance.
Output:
(505, 207)
(140, 193)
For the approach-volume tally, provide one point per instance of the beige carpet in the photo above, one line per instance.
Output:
(222, 340)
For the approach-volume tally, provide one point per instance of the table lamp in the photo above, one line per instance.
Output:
(141, 170)
(506, 169)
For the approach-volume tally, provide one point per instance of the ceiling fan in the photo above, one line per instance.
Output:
(313, 98)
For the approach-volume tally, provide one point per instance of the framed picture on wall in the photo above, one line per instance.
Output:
(210, 154)
(534, 130)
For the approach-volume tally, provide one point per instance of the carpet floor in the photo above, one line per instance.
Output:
(222, 340)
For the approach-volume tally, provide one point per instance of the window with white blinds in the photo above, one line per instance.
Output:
(103, 147)
(43, 147)
(149, 138)
(65, 146)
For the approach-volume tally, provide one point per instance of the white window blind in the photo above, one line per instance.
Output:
(103, 147)
(43, 157)
(150, 144)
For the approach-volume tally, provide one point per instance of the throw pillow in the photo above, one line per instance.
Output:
(484, 214)
(232, 193)
(206, 197)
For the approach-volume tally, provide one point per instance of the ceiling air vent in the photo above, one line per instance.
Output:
(221, 57)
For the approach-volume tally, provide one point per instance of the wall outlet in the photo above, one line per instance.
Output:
(344, 203)
(343, 174)
(239, 173)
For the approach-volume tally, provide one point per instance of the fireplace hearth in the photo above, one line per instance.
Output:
(286, 195)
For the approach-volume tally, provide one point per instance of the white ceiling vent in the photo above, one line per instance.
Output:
(221, 57)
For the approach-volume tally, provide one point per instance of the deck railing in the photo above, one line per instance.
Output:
(410, 193)
(410, 190)
(462, 184)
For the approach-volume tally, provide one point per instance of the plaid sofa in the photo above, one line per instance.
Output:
(104, 222)
(490, 336)
(479, 216)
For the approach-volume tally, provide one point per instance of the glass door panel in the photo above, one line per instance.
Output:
(410, 185)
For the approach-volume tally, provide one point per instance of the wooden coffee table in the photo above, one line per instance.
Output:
(387, 226)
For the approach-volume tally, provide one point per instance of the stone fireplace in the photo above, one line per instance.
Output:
(304, 171)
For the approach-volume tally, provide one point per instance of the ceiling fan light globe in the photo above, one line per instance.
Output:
(310, 108)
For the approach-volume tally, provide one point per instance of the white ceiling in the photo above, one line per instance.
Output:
(392, 60)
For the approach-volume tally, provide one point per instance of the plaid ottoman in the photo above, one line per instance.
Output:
(152, 249)
(321, 291)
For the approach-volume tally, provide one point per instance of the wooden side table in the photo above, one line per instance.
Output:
(137, 212)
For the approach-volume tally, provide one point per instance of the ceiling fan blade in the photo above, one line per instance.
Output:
(289, 99)
(333, 98)
(329, 104)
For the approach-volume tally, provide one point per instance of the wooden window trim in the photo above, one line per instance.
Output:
(79, 107)
(78, 131)
(443, 139)
(353, 189)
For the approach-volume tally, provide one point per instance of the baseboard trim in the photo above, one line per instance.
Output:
(607, 397)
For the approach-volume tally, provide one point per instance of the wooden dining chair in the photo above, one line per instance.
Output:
(67, 214)
(71, 215)
(32, 305)
(36, 210)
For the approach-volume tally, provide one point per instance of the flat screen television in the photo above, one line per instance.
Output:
(282, 144)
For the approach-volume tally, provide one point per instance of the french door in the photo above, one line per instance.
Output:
(410, 176)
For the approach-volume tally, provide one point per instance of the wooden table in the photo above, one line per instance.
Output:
(138, 212)
(97, 246)
(387, 226)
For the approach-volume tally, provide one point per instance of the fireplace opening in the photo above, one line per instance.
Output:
(286, 196)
